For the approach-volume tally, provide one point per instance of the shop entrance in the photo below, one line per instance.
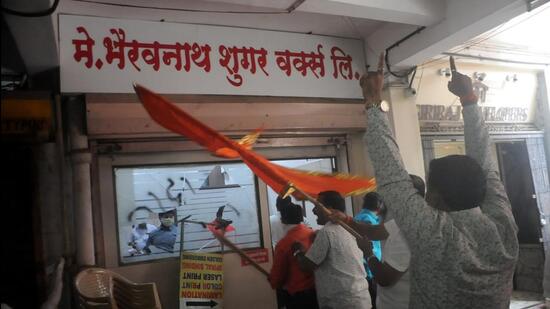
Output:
(515, 173)
(515, 162)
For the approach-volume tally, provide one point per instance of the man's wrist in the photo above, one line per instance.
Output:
(348, 220)
(372, 103)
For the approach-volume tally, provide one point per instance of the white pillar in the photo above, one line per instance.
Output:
(544, 100)
(81, 158)
(406, 129)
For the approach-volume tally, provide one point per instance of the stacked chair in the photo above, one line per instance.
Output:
(101, 288)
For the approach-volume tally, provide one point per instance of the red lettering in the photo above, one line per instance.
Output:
(232, 58)
(115, 49)
(204, 52)
(151, 53)
(84, 49)
(302, 62)
(341, 64)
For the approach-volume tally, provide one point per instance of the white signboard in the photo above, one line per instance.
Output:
(106, 55)
(506, 95)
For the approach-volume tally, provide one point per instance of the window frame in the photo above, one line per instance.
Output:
(108, 155)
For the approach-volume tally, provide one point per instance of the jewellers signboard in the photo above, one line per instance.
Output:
(106, 55)
(504, 97)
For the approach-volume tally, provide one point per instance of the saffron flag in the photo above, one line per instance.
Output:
(275, 176)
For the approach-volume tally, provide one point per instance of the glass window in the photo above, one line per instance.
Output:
(325, 165)
(151, 200)
(446, 148)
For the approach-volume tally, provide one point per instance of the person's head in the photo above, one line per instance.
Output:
(372, 201)
(455, 183)
(168, 218)
(281, 202)
(332, 200)
(291, 213)
(418, 184)
(142, 228)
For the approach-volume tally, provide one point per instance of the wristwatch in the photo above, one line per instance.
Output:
(383, 105)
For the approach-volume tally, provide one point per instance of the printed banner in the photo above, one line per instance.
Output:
(259, 256)
(107, 55)
(201, 280)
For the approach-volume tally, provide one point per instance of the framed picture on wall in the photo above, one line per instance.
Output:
(151, 201)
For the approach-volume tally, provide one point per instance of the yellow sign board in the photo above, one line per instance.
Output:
(201, 280)
(27, 118)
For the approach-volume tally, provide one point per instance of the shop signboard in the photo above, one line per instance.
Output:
(505, 95)
(27, 119)
(201, 280)
(102, 55)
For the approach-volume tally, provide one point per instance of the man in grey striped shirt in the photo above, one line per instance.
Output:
(463, 238)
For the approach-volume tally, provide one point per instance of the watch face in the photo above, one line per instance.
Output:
(384, 106)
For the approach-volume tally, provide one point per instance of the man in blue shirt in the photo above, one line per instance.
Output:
(165, 236)
(370, 215)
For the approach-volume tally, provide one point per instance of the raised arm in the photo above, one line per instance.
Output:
(478, 146)
(411, 213)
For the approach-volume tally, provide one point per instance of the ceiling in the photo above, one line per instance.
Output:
(379, 23)
(520, 39)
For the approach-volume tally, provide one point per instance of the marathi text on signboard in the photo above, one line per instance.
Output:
(180, 58)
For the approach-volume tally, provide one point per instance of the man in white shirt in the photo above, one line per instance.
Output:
(397, 257)
(337, 262)
(392, 272)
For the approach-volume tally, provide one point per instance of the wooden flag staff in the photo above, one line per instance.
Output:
(322, 207)
(290, 186)
(240, 252)
(227, 242)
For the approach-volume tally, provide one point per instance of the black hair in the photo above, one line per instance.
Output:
(282, 202)
(372, 201)
(332, 199)
(142, 226)
(418, 184)
(168, 213)
(291, 214)
(459, 180)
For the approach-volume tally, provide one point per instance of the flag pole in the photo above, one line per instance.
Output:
(240, 252)
(321, 207)
(224, 241)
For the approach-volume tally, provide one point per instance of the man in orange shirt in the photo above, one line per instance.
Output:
(286, 272)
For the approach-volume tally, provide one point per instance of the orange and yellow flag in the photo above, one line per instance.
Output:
(275, 176)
